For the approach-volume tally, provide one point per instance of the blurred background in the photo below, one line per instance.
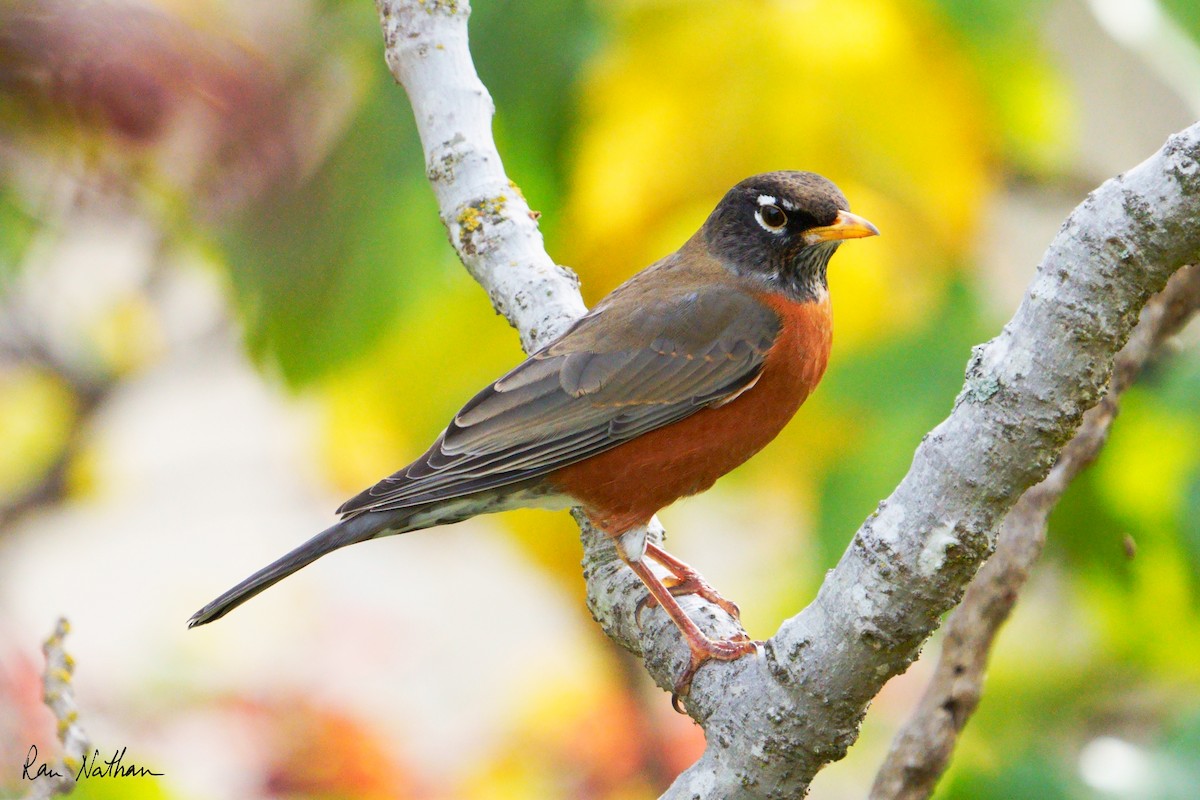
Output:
(227, 304)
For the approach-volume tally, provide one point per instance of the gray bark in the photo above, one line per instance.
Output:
(922, 749)
(59, 695)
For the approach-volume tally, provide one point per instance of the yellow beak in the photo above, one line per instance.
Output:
(845, 226)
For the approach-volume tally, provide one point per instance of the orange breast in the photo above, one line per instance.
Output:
(623, 487)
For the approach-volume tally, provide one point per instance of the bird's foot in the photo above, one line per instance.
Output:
(704, 650)
(685, 580)
(689, 583)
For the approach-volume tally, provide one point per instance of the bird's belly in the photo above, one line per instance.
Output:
(623, 487)
(446, 512)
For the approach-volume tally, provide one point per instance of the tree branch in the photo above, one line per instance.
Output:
(489, 222)
(1024, 396)
(921, 750)
(59, 696)
(773, 721)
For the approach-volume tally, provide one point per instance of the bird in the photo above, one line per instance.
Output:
(679, 375)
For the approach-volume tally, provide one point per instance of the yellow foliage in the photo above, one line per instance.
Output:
(1148, 460)
(128, 336)
(1037, 111)
(551, 540)
(588, 738)
(385, 410)
(691, 98)
(36, 413)
(1152, 623)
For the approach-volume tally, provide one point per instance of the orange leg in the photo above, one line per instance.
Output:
(702, 648)
(687, 581)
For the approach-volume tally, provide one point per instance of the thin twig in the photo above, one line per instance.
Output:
(59, 696)
(922, 749)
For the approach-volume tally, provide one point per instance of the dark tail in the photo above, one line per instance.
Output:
(349, 531)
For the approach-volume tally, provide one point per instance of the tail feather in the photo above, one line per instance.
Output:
(347, 532)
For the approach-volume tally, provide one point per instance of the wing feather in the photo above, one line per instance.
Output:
(612, 377)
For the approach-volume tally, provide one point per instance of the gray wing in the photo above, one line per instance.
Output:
(611, 377)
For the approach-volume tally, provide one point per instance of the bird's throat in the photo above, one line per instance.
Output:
(803, 278)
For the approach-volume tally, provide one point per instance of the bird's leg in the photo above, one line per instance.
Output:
(633, 548)
(686, 581)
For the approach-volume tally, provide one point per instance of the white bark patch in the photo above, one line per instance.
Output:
(933, 554)
(864, 607)
(888, 521)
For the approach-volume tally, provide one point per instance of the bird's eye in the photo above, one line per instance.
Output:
(772, 217)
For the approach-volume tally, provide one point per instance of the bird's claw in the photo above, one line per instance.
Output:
(648, 600)
(702, 652)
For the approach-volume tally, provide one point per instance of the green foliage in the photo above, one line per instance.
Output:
(1176, 383)
(622, 123)
(1166, 767)
(899, 390)
(1031, 105)
(1186, 13)
(321, 269)
(1087, 534)
(1144, 486)
(1180, 753)
(1190, 529)
(1031, 773)
(986, 21)
(133, 787)
(535, 86)
(17, 227)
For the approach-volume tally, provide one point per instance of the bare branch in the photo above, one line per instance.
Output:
(489, 222)
(921, 750)
(773, 721)
(59, 696)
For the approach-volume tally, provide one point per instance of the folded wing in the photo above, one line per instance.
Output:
(619, 372)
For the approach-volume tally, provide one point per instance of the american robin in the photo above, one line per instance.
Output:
(679, 375)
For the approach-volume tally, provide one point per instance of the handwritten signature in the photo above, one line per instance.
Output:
(92, 767)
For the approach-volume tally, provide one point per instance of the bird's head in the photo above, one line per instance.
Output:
(780, 228)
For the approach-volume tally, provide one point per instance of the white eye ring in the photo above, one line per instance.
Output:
(774, 211)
